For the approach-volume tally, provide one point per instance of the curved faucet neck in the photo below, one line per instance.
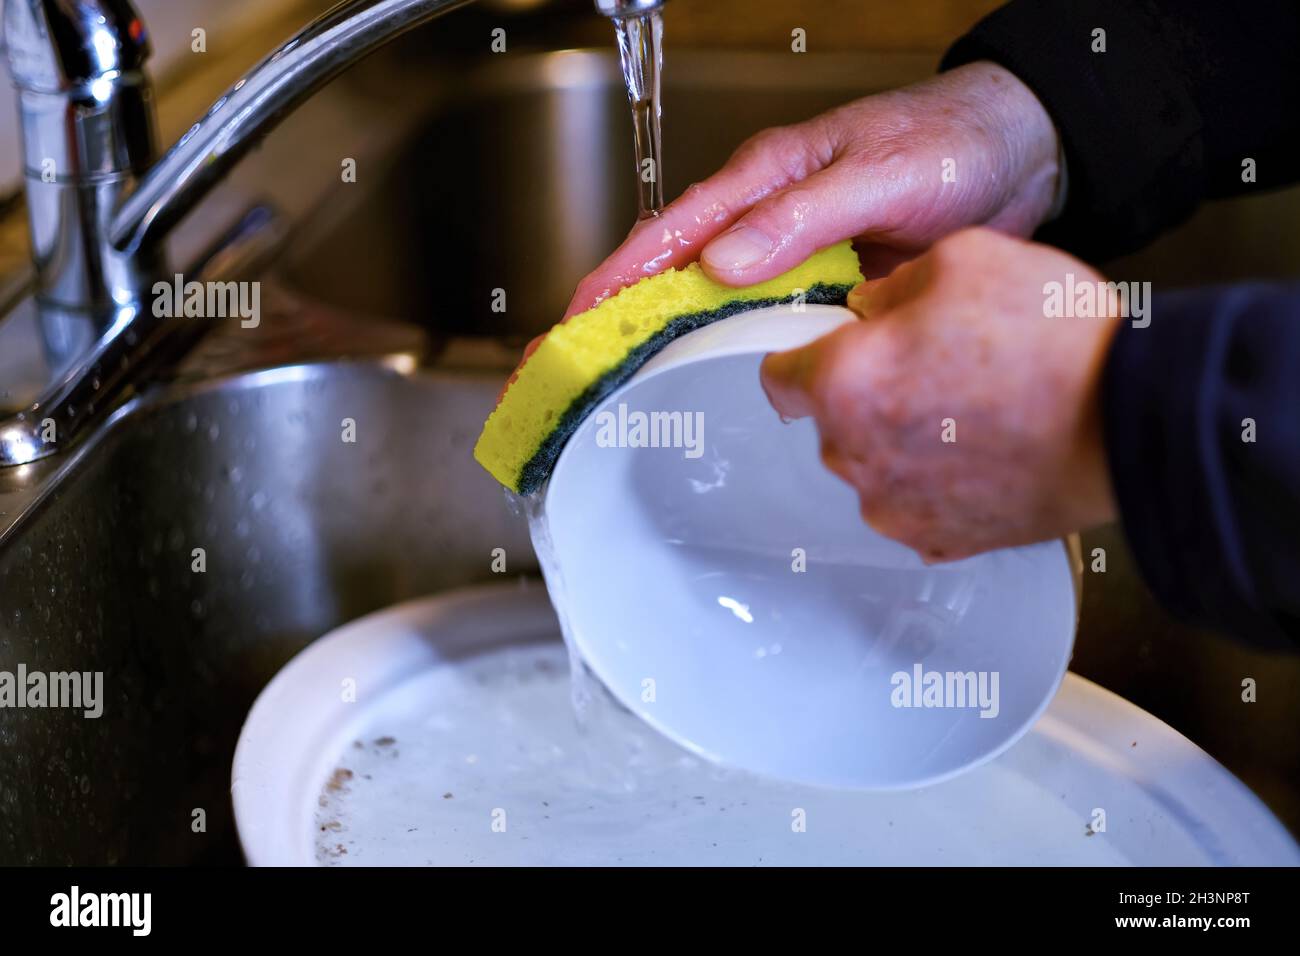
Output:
(99, 206)
(255, 104)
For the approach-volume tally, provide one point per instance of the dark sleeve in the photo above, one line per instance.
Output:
(1185, 91)
(1212, 517)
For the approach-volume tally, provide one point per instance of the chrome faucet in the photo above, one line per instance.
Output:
(99, 205)
(616, 9)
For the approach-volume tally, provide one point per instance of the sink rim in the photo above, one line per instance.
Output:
(31, 487)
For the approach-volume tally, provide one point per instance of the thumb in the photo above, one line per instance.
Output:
(797, 381)
(784, 229)
(876, 296)
(786, 378)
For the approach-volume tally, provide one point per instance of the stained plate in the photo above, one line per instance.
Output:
(441, 732)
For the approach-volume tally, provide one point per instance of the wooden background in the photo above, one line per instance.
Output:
(913, 26)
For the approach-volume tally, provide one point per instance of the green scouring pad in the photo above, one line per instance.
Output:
(584, 359)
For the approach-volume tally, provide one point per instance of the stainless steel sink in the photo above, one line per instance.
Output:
(300, 531)
(515, 177)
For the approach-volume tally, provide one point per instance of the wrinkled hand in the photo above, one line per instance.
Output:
(956, 345)
(873, 169)
(877, 170)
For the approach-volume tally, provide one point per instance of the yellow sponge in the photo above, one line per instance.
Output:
(584, 359)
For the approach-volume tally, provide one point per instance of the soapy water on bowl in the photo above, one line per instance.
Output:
(588, 696)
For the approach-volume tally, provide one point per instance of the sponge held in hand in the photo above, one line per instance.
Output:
(584, 359)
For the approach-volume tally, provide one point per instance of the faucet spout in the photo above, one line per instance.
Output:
(617, 9)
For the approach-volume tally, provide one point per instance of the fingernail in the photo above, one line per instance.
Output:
(738, 249)
(857, 300)
(861, 298)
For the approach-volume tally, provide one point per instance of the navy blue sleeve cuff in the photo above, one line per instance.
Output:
(1185, 93)
(1127, 122)
(1201, 411)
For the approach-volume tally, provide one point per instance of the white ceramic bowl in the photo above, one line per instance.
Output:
(727, 591)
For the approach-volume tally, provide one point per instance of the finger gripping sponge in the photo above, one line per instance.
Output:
(584, 359)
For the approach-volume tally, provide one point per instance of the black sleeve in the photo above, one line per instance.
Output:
(1202, 422)
(1185, 92)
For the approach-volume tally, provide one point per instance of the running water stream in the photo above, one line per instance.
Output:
(619, 751)
(640, 49)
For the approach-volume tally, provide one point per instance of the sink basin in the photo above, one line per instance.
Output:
(300, 531)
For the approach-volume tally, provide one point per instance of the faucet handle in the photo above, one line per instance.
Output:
(56, 46)
(86, 109)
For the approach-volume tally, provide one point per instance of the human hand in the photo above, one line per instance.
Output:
(873, 169)
(965, 419)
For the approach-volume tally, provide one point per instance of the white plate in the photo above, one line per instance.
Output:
(469, 754)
